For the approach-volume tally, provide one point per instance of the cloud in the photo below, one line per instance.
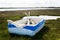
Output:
(29, 3)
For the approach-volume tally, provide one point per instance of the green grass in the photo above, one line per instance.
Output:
(51, 30)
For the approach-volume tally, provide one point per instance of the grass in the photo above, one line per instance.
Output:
(51, 30)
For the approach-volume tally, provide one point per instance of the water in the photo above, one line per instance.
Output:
(24, 8)
(46, 17)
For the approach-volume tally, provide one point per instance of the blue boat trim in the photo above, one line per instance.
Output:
(33, 28)
(11, 25)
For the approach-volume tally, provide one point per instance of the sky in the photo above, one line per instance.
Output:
(29, 3)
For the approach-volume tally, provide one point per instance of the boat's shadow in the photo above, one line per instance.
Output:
(38, 36)
(41, 33)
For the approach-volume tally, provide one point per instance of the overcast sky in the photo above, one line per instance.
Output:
(29, 3)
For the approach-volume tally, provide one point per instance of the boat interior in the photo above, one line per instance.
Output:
(27, 22)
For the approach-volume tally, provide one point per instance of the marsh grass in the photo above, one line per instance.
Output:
(51, 30)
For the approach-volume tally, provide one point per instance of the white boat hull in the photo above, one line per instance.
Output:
(26, 31)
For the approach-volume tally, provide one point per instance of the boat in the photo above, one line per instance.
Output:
(28, 25)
